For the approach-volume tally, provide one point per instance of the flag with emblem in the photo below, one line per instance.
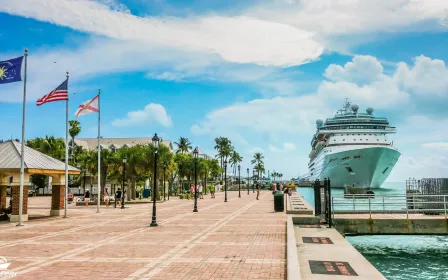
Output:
(58, 94)
(88, 107)
(10, 70)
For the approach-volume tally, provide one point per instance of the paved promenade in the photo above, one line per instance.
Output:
(241, 239)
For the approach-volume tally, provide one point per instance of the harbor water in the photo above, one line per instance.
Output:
(400, 257)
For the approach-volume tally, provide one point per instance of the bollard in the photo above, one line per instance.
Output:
(317, 199)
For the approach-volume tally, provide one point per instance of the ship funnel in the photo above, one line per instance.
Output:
(369, 110)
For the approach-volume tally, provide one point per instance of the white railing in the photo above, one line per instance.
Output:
(396, 203)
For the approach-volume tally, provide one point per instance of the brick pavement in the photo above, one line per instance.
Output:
(241, 239)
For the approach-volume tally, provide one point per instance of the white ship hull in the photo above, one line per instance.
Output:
(366, 166)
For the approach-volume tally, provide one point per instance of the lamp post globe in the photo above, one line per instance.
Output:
(155, 143)
(196, 155)
(225, 180)
(125, 159)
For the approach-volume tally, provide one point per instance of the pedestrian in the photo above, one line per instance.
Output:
(106, 197)
(118, 197)
(201, 196)
(87, 197)
(258, 190)
(212, 191)
(191, 191)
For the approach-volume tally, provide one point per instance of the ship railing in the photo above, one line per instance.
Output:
(390, 204)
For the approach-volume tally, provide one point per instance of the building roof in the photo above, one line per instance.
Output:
(117, 143)
(10, 158)
(201, 153)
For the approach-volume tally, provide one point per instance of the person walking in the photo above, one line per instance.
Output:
(258, 190)
(106, 197)
(212, 191)
(87, 197)
(118, 197)
(201, 196)
(191, 191)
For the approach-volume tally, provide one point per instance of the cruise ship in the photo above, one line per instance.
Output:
(352, 149)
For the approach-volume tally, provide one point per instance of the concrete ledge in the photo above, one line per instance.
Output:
(15, 218)
(292, 258)
(392, 226)
(295, 204)
(306, 220)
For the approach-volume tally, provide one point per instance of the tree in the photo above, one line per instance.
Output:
(234, 160)
(183, 146)
(224, 148)
(258, 163)
(74, 130)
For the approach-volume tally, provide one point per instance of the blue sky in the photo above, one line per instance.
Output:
(258, 72)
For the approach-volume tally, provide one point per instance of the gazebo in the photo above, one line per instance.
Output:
(35, 163)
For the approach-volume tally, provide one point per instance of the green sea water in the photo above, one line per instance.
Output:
(400, 257)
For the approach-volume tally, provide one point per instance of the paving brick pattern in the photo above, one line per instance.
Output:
(241, 239)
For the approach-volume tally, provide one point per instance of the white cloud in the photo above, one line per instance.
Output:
(438, 146)
(236, 39)
(287, 147)
(426, 77)
(166, 76)
(362, 70)
(152, 113)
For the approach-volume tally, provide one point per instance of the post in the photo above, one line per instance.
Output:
(444, 204)
(248, 182)
(330, 200)
(253, 179)
(164, 171)
(66, 155)
(239, 181)
(124, 184)
(85, 171)
(225, 180)
(195, 184)
(317, 199)
(384, 206)
(99, 152)
(370, 210)
(154, 217)
(22, 149)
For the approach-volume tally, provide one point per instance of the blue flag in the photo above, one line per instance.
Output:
(10, 70)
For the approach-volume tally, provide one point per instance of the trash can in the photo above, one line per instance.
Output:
(146, 193)
(279, 203)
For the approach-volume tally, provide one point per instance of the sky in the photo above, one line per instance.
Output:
(260, 72)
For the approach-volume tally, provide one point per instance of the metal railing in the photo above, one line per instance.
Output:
(390, 204)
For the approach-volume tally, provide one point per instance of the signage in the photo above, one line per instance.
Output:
(317, 240)
(332, 268)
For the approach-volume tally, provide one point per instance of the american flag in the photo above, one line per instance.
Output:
(58, 94)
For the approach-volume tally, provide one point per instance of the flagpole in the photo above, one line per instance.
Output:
(22, 149)
(66, 154)
(99, 151)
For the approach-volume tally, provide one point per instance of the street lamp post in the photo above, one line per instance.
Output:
(225, 180)
(155, 143)
(124, 178)
(253, 178)
(78, 165)
(85, 171)
(239, 181)
(164, 171)
(196, 154)
(248, 181)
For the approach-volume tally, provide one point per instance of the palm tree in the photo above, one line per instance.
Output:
(75, 129)
(224, 148)
(258, 163)
(234, 160)
(183, 146)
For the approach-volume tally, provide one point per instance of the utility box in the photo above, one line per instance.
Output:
(279, 203)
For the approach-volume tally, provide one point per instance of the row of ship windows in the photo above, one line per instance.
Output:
(344, 158)
(334, 140)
